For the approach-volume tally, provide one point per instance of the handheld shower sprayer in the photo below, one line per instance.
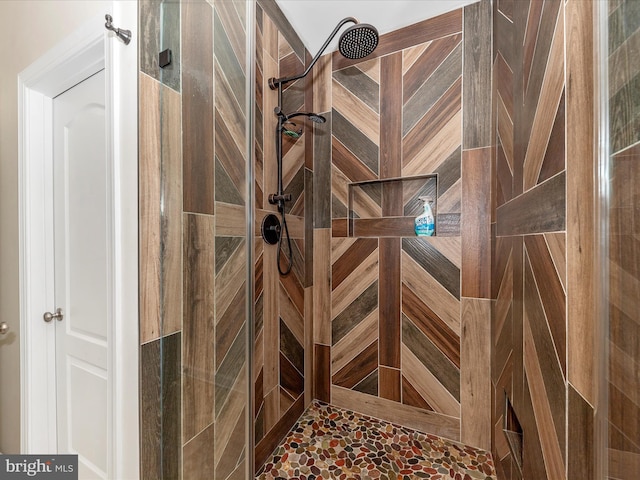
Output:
(357, 41)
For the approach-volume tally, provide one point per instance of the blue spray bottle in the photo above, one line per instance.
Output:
(425, 223)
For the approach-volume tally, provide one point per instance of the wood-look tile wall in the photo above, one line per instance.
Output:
(283, 304)
(624, 271)
(193, 240)
(544, 237)
(401, 323)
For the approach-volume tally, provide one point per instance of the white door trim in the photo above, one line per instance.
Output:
(82, 53)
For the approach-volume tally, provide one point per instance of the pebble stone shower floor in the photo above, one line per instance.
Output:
(332, 443)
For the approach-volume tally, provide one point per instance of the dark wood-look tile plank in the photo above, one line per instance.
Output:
(360, 85)
(233, 452)
(389, 301)
(427, 63)
(390, 135)
(355, 313)
(322, 370)
(477, 126)
(271, 8)
(290, 378)
(339, 227)
(230, 368)
(448, 225)
(322, 160)
(291, 348)
(441, 26)
(231, 159)
(539, 210)
(369, 384)
(417, 310)
(198, 456)
(504, 177)
(410, 396)
(554, 158)
(390, 383)
(359, 368)
(435, 263)
(227, 60)
(624, 416)
(581, 441)
(295, 291)
(291, 65)
(150, 411)
(198, 324)
(229, 324)
(365, 150)
(354, 256)
(270, 441)
(384, 227)
(431, 357)
(197, 107)
(506, 8)
(504, 34)
(503, 79)
(476, 229)
(551, 292)
(345, 161)
(549, 365)
(552, 18)
(442, 111)
(531, 35)
(432, 89)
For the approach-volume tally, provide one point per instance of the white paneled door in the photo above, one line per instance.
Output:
(83, 262)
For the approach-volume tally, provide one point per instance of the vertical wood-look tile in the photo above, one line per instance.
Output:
(391, 116)
(198, 324)
(171, 222)
(475, 373)
(476, 226)
(581, 222)
(198, 460)
(322, 370)
(581, 441)
(270, 318)
(389, 301)
(197, 107)
(390, 384)
(476, 76)
(149, 216)
(322, 286)
(150, 411)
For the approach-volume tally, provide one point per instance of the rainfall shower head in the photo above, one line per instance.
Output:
(358, 41)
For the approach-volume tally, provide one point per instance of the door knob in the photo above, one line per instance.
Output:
(4, 328)
(48, 316)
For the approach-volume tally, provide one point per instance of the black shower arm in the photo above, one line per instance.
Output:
(274, 83)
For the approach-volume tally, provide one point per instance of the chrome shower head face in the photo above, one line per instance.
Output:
(358, 41)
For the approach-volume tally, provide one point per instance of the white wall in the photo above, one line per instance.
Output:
(28, 29)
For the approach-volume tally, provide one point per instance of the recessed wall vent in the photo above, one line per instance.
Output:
(513, 432)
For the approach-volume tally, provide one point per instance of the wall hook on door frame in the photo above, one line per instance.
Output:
(124, 35)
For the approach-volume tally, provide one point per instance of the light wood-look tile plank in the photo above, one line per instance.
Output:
(549, 99)
(475, 373)
(428, 386)
(362, 334)
(412, 417)
(150, 234)
(198, 324)
(445, 305)
(582, 249)
(356, 283)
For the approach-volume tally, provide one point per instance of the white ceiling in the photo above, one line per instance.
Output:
(314, 20)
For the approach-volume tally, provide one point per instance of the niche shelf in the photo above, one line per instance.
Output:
(388, 207)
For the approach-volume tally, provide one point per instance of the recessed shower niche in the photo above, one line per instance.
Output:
(388, 207)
